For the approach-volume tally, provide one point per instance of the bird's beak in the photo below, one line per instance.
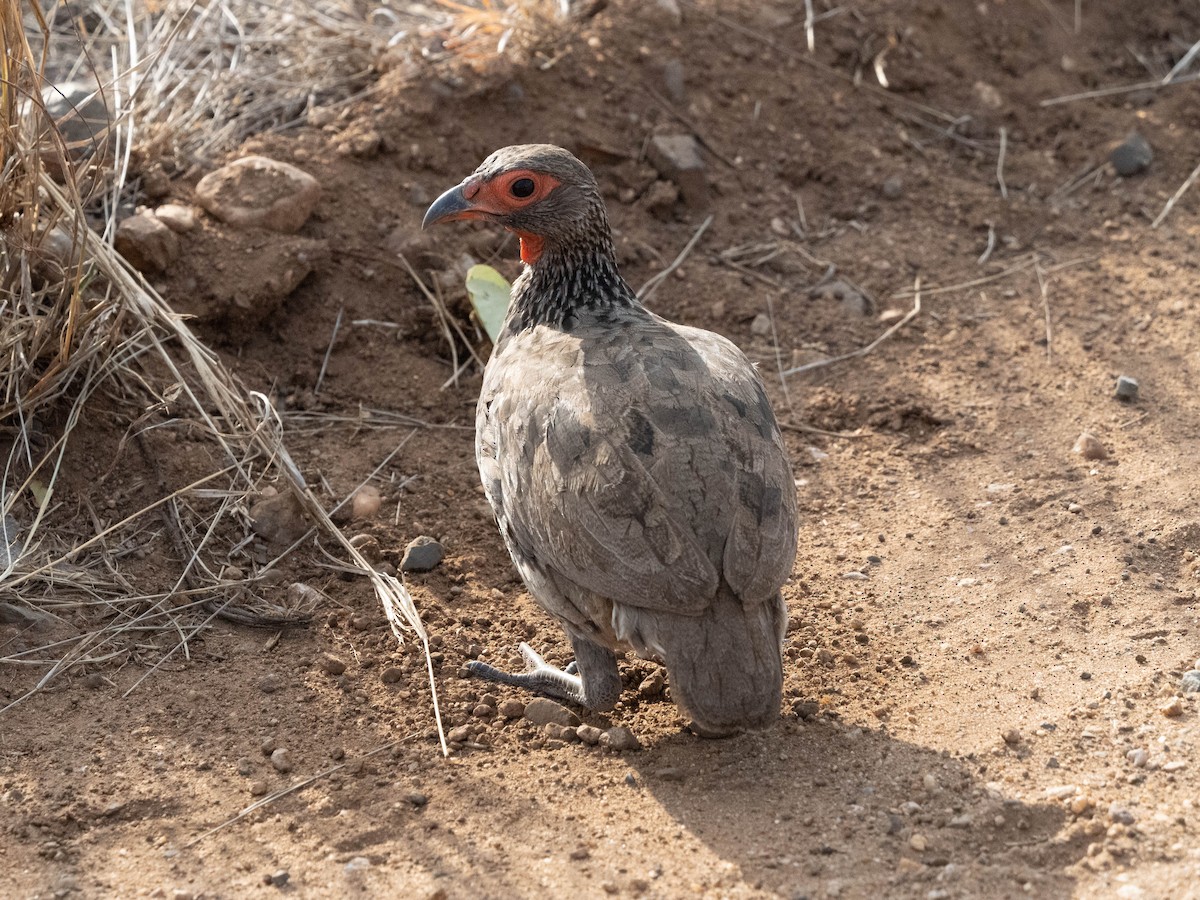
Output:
(450, 207)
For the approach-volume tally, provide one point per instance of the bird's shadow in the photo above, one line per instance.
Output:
(818, 808)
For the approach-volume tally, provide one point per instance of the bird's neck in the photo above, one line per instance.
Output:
(568, 283)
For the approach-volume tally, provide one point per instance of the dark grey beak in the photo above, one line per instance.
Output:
(450, 207)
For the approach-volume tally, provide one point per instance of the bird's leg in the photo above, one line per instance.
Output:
(592, 680)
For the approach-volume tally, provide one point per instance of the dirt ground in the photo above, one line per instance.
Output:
(985, 627)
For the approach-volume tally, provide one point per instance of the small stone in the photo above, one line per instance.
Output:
(1074, 508)
(179, 218)
(366, 502)
(580, 853)
(1127, 388)
(1173, 707)
(761, 326)
(1081, 804)
(1191, 682)
(919, 843)
(988, 95)
(544, 711)
(459, 735)
(1089, 447)
(589, 734)
(331, 664)
(245, 766)
(1174, 765)
(416, 798)
(620, 739)
(892, 188)
(147, 244)
(1132, 156)
(677, 157)
(1138, 757)
(1061, 791)
(852, 301)
(256, 192)
(257, 787)
(483, 711)
(673, 81)
(422, 555)
(652, 685)
(270, 683)
(282, 760)
(279, 519)
(278, 878)
(1120, 815)
(95, 681)
(357, 864)
(511, 709)
(1012, 736)
(391, 675)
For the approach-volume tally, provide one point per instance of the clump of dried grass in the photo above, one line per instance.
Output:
(78, 325)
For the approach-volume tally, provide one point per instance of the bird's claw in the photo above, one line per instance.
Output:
(539, 675)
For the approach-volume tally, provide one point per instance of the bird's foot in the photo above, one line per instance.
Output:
(539, 676)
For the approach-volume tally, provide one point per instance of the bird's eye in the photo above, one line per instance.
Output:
(522, 188)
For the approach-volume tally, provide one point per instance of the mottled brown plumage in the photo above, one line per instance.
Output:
(635, 468)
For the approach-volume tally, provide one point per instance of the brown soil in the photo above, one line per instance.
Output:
(956, 724)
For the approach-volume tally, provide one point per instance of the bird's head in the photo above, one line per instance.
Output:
(539, 192)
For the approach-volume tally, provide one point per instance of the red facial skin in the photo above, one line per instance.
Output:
(495, 198)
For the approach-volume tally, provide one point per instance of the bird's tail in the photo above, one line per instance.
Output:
(725, 665)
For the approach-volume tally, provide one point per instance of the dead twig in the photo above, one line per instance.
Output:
(1000, 162)
(1183, 188)
(863, 351)
(337, 323)
(1120, 89)
(991, 245)
(687, 123)
(1045, 292)
(647, 290)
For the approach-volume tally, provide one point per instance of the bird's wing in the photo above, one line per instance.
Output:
(643, 466)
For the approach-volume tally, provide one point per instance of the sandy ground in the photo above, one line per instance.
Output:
(985, 627)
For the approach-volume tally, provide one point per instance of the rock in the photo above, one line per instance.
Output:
(256, 192)
(364, 143)
(245, 766)
(673, 81)
(422, 554)
(761, 326)
(281, 759)
(620, 739)
(652, 685)
(331, 664)
(278, 878)
(257, 788)
(1120, 815)
(357, 864)
(1132, 156)
(852, 300)
(988, 95)
(483, 711)
(179, 218)
(677, 157)
(366, 503)
(892, 188)
(1191, 682)
(147, 244)
(270, 683)
(589, 734)
(1012, 736)
(80, 113)
(279, 519)
(919, 843)
(391, 675)
(1127, 388)
(511, 709)
(416, 798)
(1089, 447)
(459, 735)
(1138, 757)
(1173, 707)
(544, 711)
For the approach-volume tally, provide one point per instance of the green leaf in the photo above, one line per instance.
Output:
(489, 295)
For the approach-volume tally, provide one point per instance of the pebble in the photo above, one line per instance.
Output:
(257, 788)
(1127, 388)
(366, 502)
(357, 864)
(1132, 156)
(257, 192)
(278, 878)
(459, 735)
(1088, 446)
(279, 518)
(331, 664)
(620, 739)
(1061, 792)
(855, 576)
(761, 325)
(544, 711)
(919, 843)
(282, 760)
(892, 188)
(483, 711)
(416, 798)
(652, 685)
(852, 300)
(1138, 757)
(511, 709)
(422, 554)
(147, 244)
(179, 218)
(1120, 815)
(677, 158)
(1173, 707)
(589, 734)
(1191, 682)
(391, 675)
(1174, 765)
(1012, 736)
(269, 684)
(673, 81)
(245, 766)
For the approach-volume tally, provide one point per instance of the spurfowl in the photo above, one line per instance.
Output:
(635, 468)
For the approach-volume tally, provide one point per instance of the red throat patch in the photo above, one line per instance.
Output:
(531, 247)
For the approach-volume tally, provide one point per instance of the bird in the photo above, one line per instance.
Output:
(636, 470)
